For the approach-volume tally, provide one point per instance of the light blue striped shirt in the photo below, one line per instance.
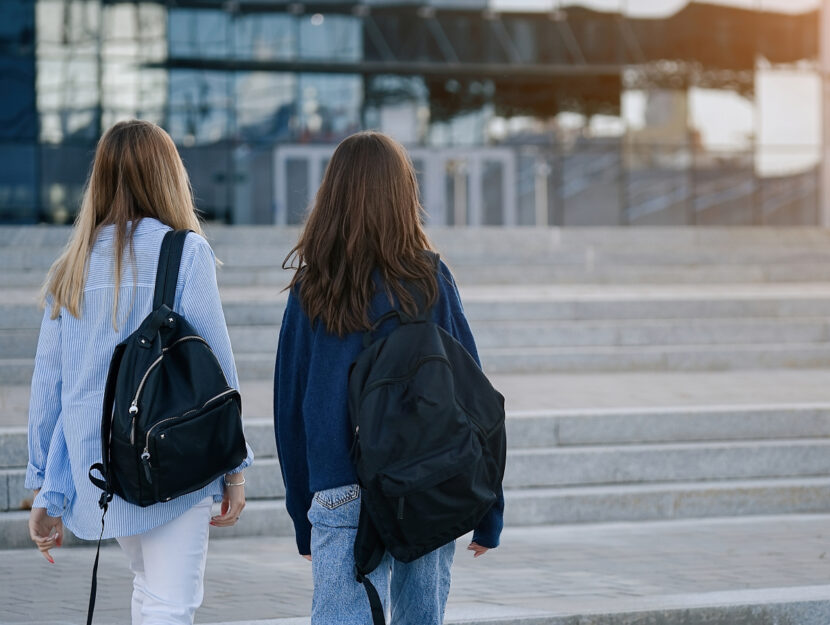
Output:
(71, 366)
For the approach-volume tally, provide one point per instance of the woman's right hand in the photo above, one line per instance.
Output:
(45, 531)
(233, 501)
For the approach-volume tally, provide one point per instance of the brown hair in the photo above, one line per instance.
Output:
(366, 217)
(137, 173)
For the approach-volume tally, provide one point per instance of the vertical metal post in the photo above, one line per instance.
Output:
(541, 174)
(756, 145)
(559, 171)
(231, 216)
(622, 178)
(824, 47)
(99, 72)
(40, 209)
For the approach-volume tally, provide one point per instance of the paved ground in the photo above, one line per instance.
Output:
(567, 569)
(562, 570)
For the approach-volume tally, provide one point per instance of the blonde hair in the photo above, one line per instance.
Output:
(137, 173)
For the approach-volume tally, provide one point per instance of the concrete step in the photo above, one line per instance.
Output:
(620, 426)
(580, 428)
(542, 506)
(481, 239)
(231, 276)
(585, 504)
(724, 357)
(263, 481)
(524, 333)
(518, 257)
(261, 518)
(528, 274)
(583, 466)
(518, 333)
(14, 450)
(263, 306)
(654, 463)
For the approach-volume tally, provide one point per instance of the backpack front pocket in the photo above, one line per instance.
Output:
(185, 453)
(443, 489)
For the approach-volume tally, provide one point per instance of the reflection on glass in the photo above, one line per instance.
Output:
(788, 198)
(492, 183)
(265, 37)
(790, 6)
(299, 191)
(456, 184)
(329, 105)
(332, 37)
(198, 33)
(199, 109)
(651, 9)
(591, 185)
(658, 189)
(265, 104)
(714, 124)
(721, 120)
(724, 189)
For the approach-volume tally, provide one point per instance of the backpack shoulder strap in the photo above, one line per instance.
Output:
(368, 554)
(167, 274)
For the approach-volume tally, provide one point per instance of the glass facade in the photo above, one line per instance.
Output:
(516, 112)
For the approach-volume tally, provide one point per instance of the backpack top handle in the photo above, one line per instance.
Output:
(167, 274)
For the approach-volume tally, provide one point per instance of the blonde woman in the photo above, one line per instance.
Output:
(97, 293)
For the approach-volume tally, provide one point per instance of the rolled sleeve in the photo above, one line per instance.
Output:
(57, 487)
(34, 477)
(45, 402)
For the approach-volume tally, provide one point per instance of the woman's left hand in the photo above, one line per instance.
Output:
(477, 549)
(233, 502)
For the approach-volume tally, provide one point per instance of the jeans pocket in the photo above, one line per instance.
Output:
(333, 498)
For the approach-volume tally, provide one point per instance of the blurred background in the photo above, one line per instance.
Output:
(516, 112)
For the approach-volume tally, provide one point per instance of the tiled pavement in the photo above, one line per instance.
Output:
(565, 570)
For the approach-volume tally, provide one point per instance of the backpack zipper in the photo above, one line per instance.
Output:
(145, 456)
(134, 405)
(400, 378)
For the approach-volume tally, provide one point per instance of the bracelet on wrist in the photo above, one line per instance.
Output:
(227, 483)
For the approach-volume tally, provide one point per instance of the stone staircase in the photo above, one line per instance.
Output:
(597, 302)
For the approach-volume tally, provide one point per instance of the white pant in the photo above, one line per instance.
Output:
(169, 567)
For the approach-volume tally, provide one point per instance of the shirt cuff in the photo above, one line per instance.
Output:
(303, 535)
(53, 501)
(489, 529)
(34, 477)
(245, 463)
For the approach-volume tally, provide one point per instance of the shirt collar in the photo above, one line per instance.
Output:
(147, 224)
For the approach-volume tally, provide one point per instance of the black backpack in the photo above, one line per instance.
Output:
(429, 443)
(170, 424)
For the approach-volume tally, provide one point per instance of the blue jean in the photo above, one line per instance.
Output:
(413, 593)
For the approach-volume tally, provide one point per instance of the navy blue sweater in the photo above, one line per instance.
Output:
(311, 418)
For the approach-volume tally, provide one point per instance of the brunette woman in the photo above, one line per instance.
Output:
(361, 246)
(97, 294)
